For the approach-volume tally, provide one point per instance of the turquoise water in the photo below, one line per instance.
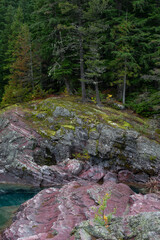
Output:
(11, 197)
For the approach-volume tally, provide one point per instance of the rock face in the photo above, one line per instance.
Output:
(107, 143)
(22, 152)
(111, 148)
(54, 213)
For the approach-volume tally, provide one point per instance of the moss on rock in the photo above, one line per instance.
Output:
(87, 114)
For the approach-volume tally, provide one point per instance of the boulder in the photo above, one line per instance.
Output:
(74, 166)
(126, 176)
(94, 173)
(63, 112)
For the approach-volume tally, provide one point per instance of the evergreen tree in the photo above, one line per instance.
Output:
(43, 28)
(6, 17)
(153, 73)
(21, 70)
(124, 61)
(64, 63)
(73, 12)
(95, 32)
(15, 29)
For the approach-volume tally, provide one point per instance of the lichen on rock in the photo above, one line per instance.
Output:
(144, 226)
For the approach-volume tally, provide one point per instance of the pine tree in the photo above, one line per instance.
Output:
(64, 55)
(19, 62)
(124, 62)
(153, 74)
(73, 13)
(21, 70)
(6, 17)
(95, 32)
(43, 27)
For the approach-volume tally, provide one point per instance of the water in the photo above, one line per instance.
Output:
(11, 197)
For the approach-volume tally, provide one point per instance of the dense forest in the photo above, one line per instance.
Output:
(98, 49)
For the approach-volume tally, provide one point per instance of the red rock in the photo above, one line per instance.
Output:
(110, 176)
(53, 213)
(144, 203)
(58, 211)
(126, 176)
(74, 166)
(94, 173)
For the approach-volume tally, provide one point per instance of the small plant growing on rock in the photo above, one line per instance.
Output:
(153, 185)
(82, 156)
(100, 216)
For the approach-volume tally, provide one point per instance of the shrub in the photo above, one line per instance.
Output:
(14, 94)
(38, 92)
(100, 216)
(145, 104)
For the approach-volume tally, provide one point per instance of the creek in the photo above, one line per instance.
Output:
(11, 197)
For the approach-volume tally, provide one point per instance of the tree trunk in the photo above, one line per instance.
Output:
(158, 3)
(68, 86)
(120, 91)
(97, 94)
(119, 6)
(82, 78)
(31, 67)
(124, 82)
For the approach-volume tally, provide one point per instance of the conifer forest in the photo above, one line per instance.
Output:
(97, 49)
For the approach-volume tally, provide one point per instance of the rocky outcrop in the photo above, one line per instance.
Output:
(54, 213)
(107, 143)
(35, 141)
(115, 149)
(29, 154)
(110, 147)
